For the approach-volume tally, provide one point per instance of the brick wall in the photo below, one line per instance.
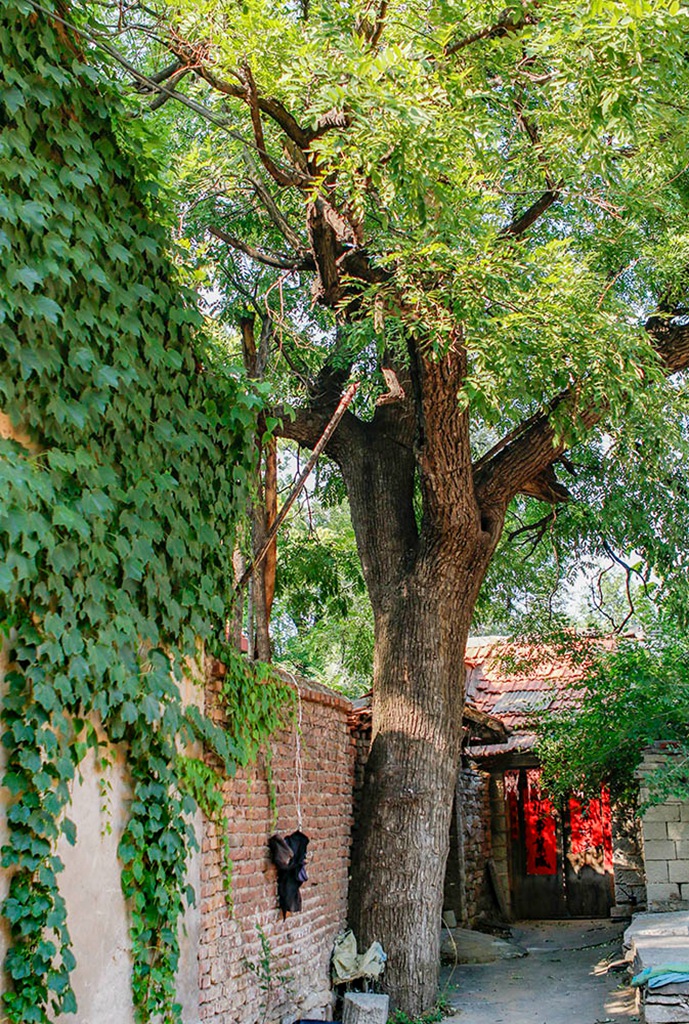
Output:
(665, 830)
(236, 986)
(360, 729)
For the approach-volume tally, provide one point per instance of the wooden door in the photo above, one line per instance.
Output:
(536, 847)
(561, 858)
(589, 884)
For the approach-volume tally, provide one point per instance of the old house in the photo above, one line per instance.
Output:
(543, 861)
(513, 854)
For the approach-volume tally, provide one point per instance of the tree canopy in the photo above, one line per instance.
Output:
(630, 697)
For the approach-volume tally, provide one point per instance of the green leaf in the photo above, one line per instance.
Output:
(69, 830)
(46, 308)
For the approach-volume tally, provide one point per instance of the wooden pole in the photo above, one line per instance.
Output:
(345, 401)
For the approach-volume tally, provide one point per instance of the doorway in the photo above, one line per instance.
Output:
(560, 857)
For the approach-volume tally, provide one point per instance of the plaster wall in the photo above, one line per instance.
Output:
(97, 914)
(96, 911)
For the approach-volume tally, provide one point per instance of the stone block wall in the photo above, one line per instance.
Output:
(253, 965)
(473, 789)
(627, 859)
(467, 888)
(665, 829)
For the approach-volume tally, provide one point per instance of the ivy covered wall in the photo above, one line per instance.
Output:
(116, 523)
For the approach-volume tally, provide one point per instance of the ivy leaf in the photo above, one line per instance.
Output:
(47, 308)
(26, 276)
(69, 830)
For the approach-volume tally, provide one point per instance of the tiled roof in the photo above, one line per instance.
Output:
(517, 743)
(478, 725)
(512, 681)
(506, 684)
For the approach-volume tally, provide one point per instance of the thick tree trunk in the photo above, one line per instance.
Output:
(403, 831)
(423, 581)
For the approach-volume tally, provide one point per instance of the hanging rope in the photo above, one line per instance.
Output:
(298, 766)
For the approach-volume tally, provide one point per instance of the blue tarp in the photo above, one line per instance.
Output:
(665, 974)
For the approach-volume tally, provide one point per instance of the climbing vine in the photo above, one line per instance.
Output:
(116, 519)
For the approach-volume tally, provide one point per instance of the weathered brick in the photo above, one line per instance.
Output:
(661, 849)
(301, 946)
(679, 871)
(662, 812)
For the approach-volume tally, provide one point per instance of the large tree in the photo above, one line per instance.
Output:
(487, 202)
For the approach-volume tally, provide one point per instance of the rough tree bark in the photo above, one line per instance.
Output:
(423, 581)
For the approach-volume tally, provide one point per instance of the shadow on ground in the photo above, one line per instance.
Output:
(563, 980)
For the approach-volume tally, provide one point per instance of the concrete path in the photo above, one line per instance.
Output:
(563, 980)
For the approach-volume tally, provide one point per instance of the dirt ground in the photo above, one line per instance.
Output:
(563, 980)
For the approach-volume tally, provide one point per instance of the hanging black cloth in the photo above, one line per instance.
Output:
(288, 856)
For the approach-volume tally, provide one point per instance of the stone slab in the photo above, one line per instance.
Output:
(654, 940)
(365, 1008)
(653, 925)
(663, 1014)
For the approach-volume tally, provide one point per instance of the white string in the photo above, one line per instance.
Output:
(298, 766)
(297, 760)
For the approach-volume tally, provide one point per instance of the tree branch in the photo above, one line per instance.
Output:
(271, 207)
(251, 95)
(524, 464)
(172, 83)
(307, 424)
(538, 528)
(522, 223)
(372, 31)
(160, 76)
(507, 24)
(268, 105)
(331, 119)
(268, 259)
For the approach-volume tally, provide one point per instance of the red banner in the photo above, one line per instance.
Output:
(541, 829)
(590, 842)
